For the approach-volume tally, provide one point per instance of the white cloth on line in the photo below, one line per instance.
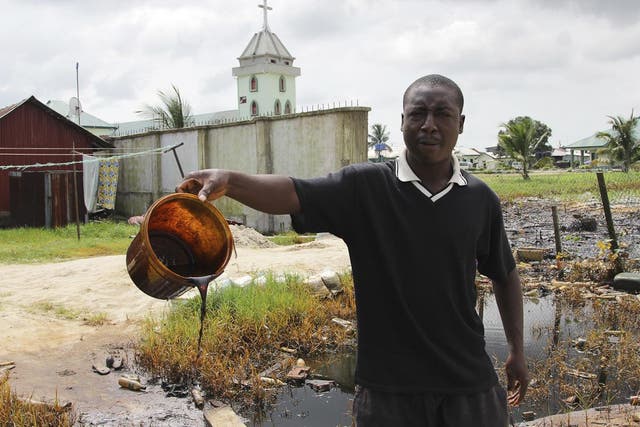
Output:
(90, 169)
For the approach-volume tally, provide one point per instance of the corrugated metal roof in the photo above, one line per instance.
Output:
(97, 141)
(589, 143)
(86, 119)
(5, 110)
(593, 142)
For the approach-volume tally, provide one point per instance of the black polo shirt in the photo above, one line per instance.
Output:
(414, 257)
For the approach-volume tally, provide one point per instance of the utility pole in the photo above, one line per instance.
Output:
(75, 179)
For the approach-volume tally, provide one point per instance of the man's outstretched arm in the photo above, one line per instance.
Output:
(272, 194)
(509, 299)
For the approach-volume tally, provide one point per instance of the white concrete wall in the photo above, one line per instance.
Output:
(187, 155)
(302, 145)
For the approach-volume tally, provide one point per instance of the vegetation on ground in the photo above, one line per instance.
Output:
(290, 238)
(245, 328)
(20, 412)
(563, 185)
(38, 245)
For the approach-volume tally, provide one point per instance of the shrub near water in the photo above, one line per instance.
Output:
(244, 329)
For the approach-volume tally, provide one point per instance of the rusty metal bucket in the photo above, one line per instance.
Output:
(181, 237)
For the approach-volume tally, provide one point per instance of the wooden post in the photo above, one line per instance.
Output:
(556, 229)
(607, 211)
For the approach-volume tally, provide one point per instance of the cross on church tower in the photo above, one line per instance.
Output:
(266, 9)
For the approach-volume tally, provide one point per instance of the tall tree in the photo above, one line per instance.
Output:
(378, 139)
(174, 112)
(623, 143)
(519, 141)
(542, 131)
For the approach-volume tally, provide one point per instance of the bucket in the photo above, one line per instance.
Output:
(181, 237)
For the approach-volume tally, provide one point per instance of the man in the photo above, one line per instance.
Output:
(417, 228)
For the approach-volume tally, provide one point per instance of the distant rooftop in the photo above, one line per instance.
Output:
(86, 119)
(593, 142)
(142, 126)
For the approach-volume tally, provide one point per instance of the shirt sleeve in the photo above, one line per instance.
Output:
(495, 258)
(328, 204)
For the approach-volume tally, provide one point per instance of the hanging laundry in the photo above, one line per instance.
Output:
(108, 183)
(90, 169)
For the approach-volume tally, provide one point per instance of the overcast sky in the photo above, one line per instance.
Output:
(567, 63)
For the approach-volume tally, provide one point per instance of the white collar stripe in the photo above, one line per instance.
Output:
(405, 174)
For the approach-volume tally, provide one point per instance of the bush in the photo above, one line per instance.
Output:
(544, 163)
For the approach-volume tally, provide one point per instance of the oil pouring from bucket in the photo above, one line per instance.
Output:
(183, 243)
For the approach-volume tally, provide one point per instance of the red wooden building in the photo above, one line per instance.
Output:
(30, 133)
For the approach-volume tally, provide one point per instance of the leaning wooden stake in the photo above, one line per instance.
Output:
(556, 229)
(607, 211)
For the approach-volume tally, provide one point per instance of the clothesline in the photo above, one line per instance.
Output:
(93, 159)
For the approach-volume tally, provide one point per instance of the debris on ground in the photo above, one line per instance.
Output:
(175, 390)
(332, 281)
(629, 282)
(222, 416)
(344, 323)
(527, 254)
(583, 223)
(101, 370)
(320, 385)
(298, 373)
(247, 237)
(130, 384)
(196, 395)
(271, 381)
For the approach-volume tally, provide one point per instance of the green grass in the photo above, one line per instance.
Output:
(58, 310)
(576, 186)
(244, 329)
(37, 245)
(96, 319)
(290, 238)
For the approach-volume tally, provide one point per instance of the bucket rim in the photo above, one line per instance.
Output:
(144, 231)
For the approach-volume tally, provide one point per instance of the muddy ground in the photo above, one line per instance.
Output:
(54, 354)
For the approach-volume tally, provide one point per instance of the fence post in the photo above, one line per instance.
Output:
(556, 229)
(607, 211)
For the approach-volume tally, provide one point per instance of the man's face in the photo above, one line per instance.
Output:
(431, 122)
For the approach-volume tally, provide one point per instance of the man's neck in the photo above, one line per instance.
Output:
(434, 176)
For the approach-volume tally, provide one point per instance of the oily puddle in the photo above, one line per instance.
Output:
(562, 364)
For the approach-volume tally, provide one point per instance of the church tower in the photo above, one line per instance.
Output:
(266, 76)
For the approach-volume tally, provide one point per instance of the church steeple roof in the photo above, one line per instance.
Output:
(265, 44)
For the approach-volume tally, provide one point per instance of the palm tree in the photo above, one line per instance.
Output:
(622, 142)
(378, 139)
(518, 139)
(173, 113)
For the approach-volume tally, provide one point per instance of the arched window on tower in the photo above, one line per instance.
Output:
(276, 108)
(253, 85)
(283, 84)
(254, 108)
(287, 107)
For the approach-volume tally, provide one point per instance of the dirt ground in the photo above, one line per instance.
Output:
(54, 356)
